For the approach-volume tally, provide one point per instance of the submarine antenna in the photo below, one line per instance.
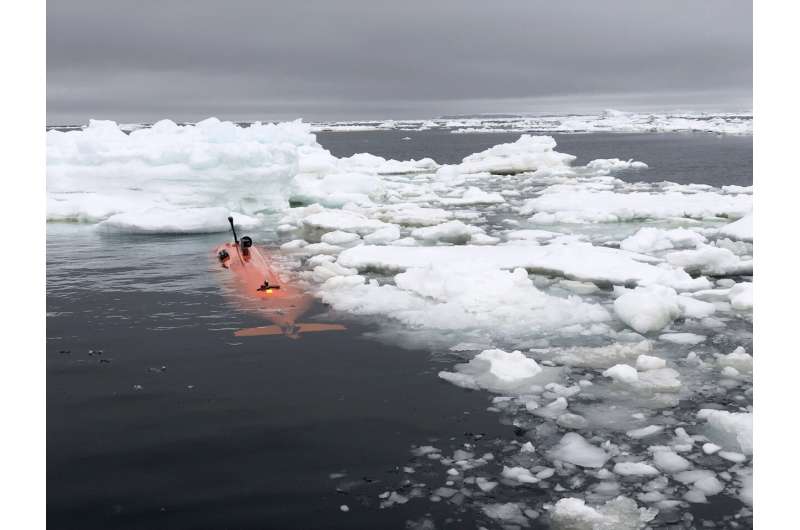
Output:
(233, 229)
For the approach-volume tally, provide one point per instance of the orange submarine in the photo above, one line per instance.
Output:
(259, 285)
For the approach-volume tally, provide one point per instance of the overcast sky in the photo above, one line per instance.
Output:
(144, 60)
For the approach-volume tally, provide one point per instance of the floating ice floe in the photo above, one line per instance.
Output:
(649, 308)
(529, 153)
(449, 297)
(579, 261)
(171, 221)
(711, 260)
(649, 240)
(620, 513)
(473, 196)
(575, 449)
(609, 165)
(741, 229)
(732, 430)
(497, 371)
(577, 204)
(100, 171)
(741, 296)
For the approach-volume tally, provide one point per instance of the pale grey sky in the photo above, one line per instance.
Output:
(356, 59)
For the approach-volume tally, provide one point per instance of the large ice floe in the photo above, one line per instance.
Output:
(609, 322)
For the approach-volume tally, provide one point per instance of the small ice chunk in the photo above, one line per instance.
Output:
(669, 461)
(494, 370)
(741, 296)
(338, 237)
(384, 235)
(683, 338)
(710, 449)
(644, 432)
(454, 232)
(730, 371)
(649, 362)
(425, 450)
(509, 512)
(732, 456)
(552, 410)
(620, 513)
(519, 474)
(741, 230)
(732, 430)
(574, 448)
(572, 421)
(623, 373)
(738, 359)
(648, 240)
(485, 484)
(693, 308)
(647, 309)
(709, 485)
(695, 496)
(635, 468)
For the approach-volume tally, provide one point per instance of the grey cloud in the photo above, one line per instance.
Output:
(358, 59)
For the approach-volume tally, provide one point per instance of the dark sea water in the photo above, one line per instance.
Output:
(179, 424)
(685, 158)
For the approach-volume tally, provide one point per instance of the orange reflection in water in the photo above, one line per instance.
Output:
(257, 285)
